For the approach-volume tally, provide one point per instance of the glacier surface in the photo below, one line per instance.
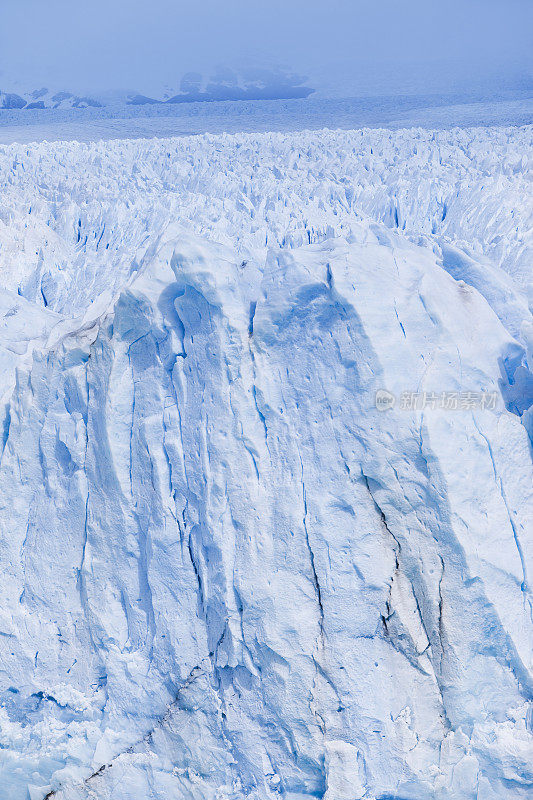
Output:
(226, 572)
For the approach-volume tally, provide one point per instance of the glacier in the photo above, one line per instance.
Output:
(227, 571)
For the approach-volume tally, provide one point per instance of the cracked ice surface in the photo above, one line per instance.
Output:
(225, 573)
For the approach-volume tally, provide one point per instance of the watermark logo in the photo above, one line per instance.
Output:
(384, 400)
(445, 401)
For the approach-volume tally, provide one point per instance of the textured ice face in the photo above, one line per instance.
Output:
(226, 572)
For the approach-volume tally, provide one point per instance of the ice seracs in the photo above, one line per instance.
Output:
(227, 573)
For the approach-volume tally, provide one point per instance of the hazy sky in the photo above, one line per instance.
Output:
(345, 46)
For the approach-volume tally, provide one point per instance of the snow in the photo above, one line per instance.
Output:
(226, 572)
(118, 120)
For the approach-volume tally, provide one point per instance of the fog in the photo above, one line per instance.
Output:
(345, 47)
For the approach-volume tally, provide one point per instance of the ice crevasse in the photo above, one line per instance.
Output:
(227, 572)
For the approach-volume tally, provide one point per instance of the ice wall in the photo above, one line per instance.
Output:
(226, 572)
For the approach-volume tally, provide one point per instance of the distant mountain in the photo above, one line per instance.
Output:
(227, 84)
(224, 84)
(44, 98)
